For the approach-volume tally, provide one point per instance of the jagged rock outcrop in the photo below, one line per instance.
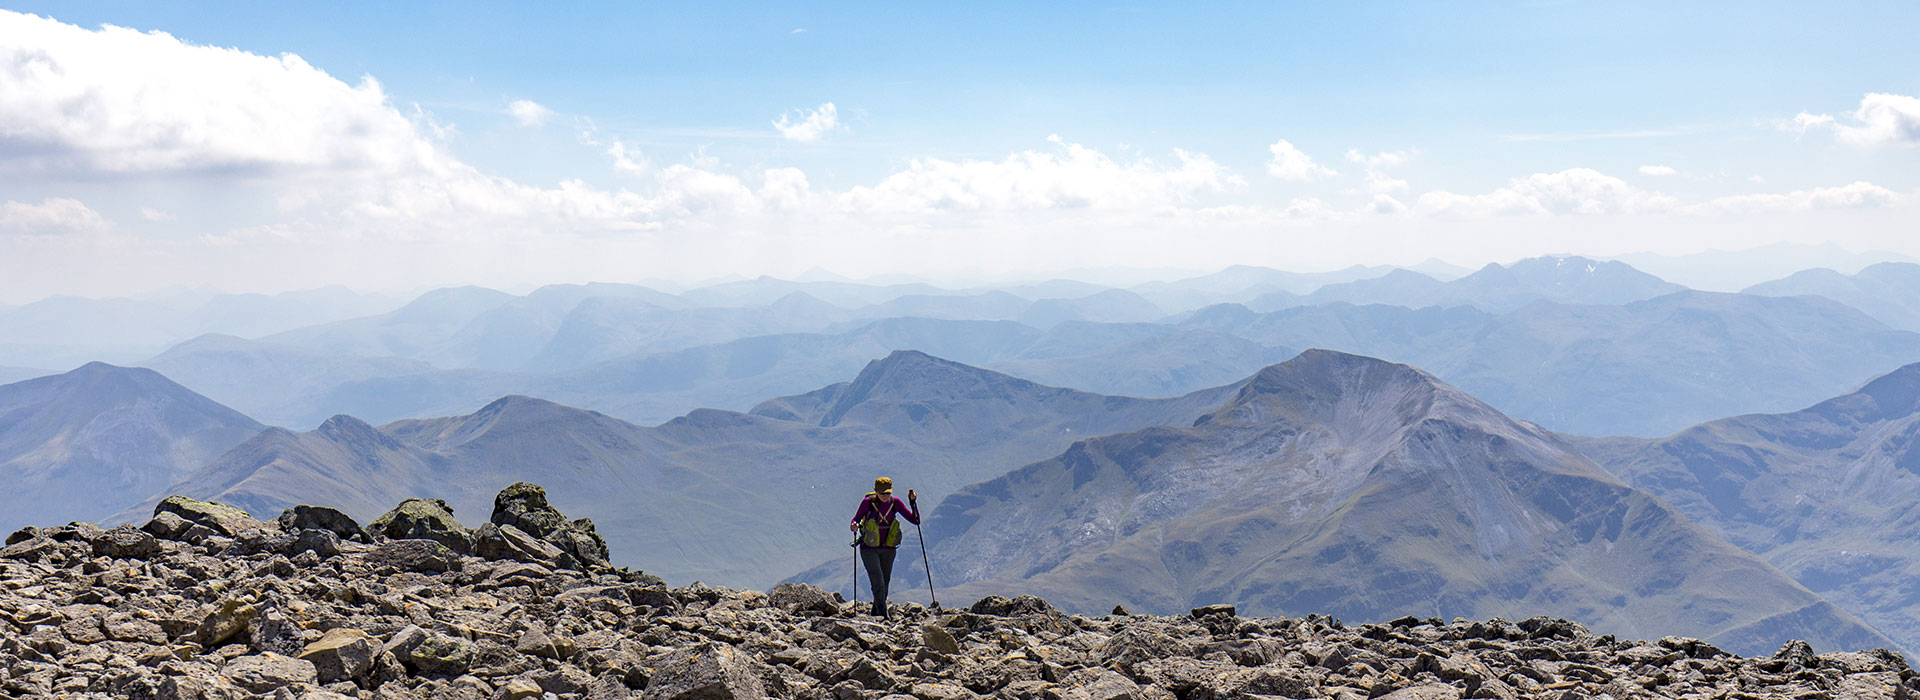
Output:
(305, 517)
(424, 519)
(220, 518)
(524, 506)
(251, 616)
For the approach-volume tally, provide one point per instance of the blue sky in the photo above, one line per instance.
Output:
(968, 140)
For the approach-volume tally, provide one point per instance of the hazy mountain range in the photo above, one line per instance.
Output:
(1734, 270)
(1496, 288)
(1346, 485)
(1829, 494)
(739, 498)
(1889, 292)
(64, 332)
(1644, 368)
(1276, 492)
(82, 445)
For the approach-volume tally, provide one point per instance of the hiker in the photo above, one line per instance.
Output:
(880, 534)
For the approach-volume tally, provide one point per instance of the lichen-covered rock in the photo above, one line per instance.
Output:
(125, 627)
(1431, 691)
(939, 640)
(706, 672)
(169, 526)
(1021, 605)
(30, 550)
(126, 542)
(228, 618)
(1142, 642)
(22, 535)
(802, 599)
(519, 689)
(342, 654)
(507, 542)
(223, 519)
(430, 653)
(423, 519)
(580, 539)
(415, 555)
(305, 517)
(246, 616)
(265, 673)
(1207, 610)
(323, 543)
(524, 506)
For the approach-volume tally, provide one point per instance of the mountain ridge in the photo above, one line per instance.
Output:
(78, 442)
(1825, 493)
(1346, 484)
(663, 492)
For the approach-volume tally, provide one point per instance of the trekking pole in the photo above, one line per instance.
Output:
(856, 572)
(921, 535)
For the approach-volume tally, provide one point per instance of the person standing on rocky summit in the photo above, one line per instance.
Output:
(880, 535)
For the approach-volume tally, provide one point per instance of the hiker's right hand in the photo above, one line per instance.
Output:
(851, 527)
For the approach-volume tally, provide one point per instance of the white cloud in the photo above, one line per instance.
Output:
(1380, 183)
(336, 161)
(628, 160)
(1385, 204)
(1075, 177)
(1804, 122)
(341, 161)
(785, 188)
(52, 215)
(120, 101)
(529, 113)
(1290, 163)
(338, 157)
(689, 191)
(1307, 208)
(811, 125)
(1383, 159)
(1883, 119)
(1857, 195)
(1658, 170)
(1575, 191)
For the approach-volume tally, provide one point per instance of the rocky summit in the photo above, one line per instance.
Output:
(208, 602)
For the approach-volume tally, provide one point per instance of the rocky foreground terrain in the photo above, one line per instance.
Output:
(206, 602)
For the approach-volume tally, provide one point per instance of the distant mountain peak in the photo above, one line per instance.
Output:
(800, 301)
(1351, 393)
(103, 434)
(1326, 368)
(917, 375)
(1401, 273)
(1891, 396)
(348, 430)
(521, 405)
(1327, 374)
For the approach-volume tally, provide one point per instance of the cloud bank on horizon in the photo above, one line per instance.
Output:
(136, 158)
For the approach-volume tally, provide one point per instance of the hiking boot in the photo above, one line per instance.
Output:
(880, 610)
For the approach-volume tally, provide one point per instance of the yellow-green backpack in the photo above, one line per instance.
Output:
(875, 531)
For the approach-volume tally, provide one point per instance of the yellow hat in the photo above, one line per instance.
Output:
(883, 485)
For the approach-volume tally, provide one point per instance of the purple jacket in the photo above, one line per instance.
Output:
(885, 514)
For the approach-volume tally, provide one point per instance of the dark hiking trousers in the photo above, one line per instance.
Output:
(879, 563)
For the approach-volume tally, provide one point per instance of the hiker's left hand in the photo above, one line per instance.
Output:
(912, 497)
